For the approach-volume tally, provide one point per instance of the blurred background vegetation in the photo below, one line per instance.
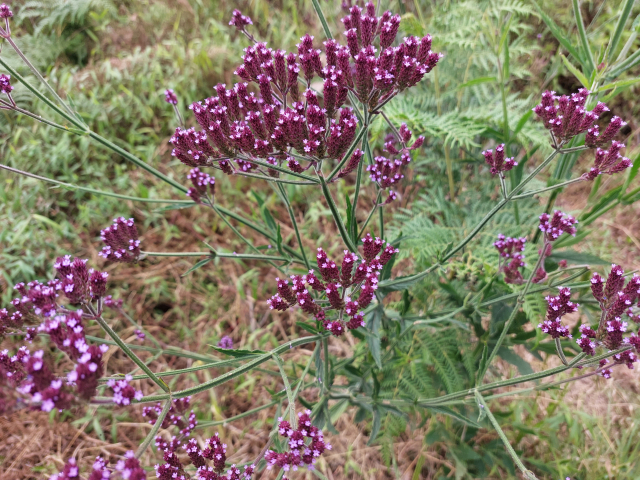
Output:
(114, 58)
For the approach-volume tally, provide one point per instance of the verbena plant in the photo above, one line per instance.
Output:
(304, 121)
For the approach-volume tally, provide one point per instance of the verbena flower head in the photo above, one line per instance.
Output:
(121, 239)
(497, 161)
(555, 225)
(130, 467)
(5, 84)
(203, 186)
(225, 342)
(511, 248)
(557, 307)
(5, 11)
(239, 20)
(123, 392)
(608, 162)
(387, 172)
(170, 97)
(358, 275)
(570, 118)
(305, 445)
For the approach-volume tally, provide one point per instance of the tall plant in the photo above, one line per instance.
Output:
(280, 126)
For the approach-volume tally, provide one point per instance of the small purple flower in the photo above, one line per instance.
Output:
(170, 97)
(239, 20)
(225, 342)
(121, 239)
(5, 84)
(5, 11)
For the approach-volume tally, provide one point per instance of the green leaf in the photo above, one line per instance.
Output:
(476, 81)
(350, 217)
(557, 32)
(619, 84)
(323, 20)
(483, 362)
(576, 73)
(268, 219)
(373, 335)
(523, 120)
(573, 257)
(308, 327)
(197, 266)
(516, 360)
(452, 413)
(615, 39)
(279, 241)
(375, 429)
(586, 49)
(238, 353)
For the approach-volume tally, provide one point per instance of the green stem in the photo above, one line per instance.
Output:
(252, 364)
(561, 352)
(484, 407)
(154, 430)
(35, 71)
(347, 155)
(373, 210)
(326, 373)
(132, 355)
(292, 216)
(583, 37)
(167, 351)
(516, 309)
(237, 417)
(323, 20)
(132, 158)
(256, 228)
(240, 256)
(553, 187)
(97, 192)
(287, 387)
(278, 168)
(274, 180)
(336, 215)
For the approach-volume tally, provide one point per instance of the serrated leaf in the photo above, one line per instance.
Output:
(453, 414)
(576, 73)
(197, 266)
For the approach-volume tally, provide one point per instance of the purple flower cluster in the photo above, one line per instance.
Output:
(215, 451)
(557, 224)
(170, 97)
(608, 162)
(570, 118)
(497, 162)
(615, 299)
(360, 275)
(5, 11)
(557, 307)
(306, 444)
(123, 392)
(177, 416)
(121, 239)
(5, 84)
(386, 172)
(511, 249)
(203, 186)
(79, 283)
(239, 20)
(225, 342)
(130, 468)
(404, 136)
(242, 128)
(99, 471)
